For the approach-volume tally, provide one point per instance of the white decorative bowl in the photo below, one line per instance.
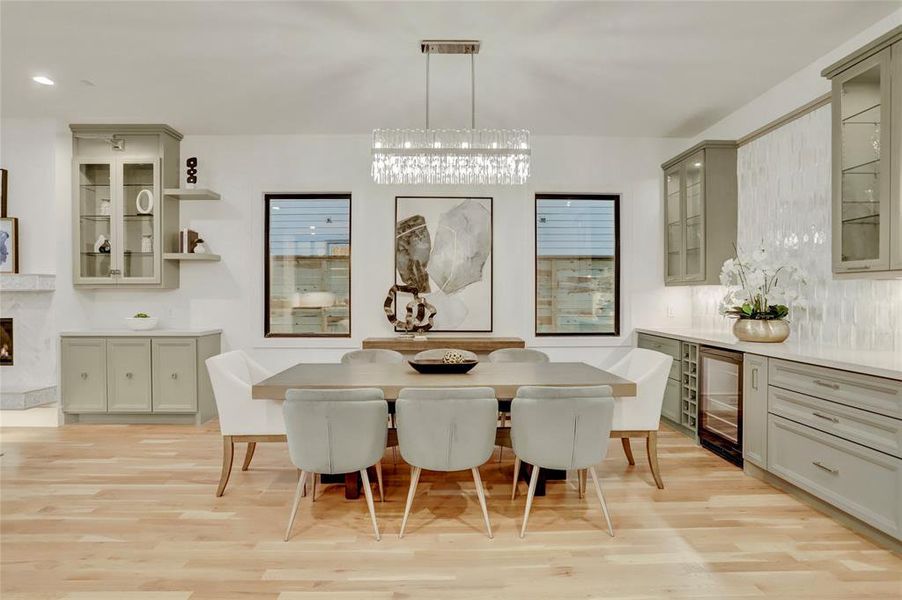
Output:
(136, 324)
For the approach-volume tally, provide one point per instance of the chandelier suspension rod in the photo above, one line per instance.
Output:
(427, 49)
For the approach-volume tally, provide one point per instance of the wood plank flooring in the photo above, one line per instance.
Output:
(113, 512)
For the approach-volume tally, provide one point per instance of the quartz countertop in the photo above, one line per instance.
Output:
(882, 363)
(145, 333)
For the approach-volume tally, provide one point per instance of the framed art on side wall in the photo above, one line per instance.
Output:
(9, 245)
(443, 248)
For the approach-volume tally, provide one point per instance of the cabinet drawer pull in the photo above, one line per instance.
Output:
(755, 379)
(861, 268)
(825, 417)
(827, 384)
(175, 375)
(84, 375)
(825, 468)
(128, 375)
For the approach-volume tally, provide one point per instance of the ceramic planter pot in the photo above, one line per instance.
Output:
(758, 330)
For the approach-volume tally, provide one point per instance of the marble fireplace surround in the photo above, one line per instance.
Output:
(784, 204)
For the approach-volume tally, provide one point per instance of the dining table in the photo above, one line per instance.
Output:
(505, 378)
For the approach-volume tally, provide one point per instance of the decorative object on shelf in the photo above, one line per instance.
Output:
(191, 179)
(419, 314)
(106, 207)
(200, 247)
(4, 176)
(759, 295)
(444, 245)
(102, 244)
(9, 245)
(451, 156)
(187, 240)
(147, 243)
(144, 202)
(6, 342)
(141, 322)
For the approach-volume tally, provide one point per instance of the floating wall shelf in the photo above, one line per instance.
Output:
(195, 194)
(186, 256)
(27, 282)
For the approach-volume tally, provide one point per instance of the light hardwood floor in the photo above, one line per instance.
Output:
(128, 512)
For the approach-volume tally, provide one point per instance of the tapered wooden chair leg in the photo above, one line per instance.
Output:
(533, 480)
(369, 501)
(628, 450)
(379, 481)
(604, 506)
(414, 479)
(581, 482)
(516, 476)
(480, 493)
(651, 447)
(249, 455)
(313, 487)
(228, 453)
(297, 500)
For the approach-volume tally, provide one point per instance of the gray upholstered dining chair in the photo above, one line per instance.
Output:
(520, 355)
(372, 355)
(439, 353)
(336, 431)
(446, 429)
(561, 428)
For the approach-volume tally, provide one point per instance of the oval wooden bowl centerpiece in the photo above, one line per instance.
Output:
(435, 365)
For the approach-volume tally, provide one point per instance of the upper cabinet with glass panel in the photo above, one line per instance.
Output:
(699, 213)
(122, 222)
(867, 151)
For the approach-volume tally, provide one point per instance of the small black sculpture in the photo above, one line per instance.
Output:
(191, 163)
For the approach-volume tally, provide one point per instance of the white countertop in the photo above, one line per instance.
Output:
(146, 333)
(882, 363)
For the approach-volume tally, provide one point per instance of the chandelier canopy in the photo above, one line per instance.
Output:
(451, 156)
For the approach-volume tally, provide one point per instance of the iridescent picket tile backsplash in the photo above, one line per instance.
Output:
(784, 204)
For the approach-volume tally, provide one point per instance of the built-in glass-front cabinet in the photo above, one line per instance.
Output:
(867, 152)
(122, 222)
(699, 213)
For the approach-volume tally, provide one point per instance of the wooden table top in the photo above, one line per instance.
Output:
(504, 378)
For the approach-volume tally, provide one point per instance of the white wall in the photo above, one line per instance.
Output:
(229, 294)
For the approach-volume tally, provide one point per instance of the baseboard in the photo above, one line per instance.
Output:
(860, 527)
(132, 419)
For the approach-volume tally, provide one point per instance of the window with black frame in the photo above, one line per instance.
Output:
(577, 264)
(308, 265)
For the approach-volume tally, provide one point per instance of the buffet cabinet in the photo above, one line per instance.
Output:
(867, 158)
(137, 378)
(123, 223)
(700, 204)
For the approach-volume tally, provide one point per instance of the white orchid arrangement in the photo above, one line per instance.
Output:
(759, 288)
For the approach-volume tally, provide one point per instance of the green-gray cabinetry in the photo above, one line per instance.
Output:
(867, 153)
(670, 408)
(143, 376)
(754, 409)
(700, 199)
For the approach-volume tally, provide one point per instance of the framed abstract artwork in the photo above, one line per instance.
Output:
(443, 248)
(9, 245)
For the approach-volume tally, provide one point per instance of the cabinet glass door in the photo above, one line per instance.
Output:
(863, 180)
(673, 257)
(95, 220)
(140, 241)
(694, 231)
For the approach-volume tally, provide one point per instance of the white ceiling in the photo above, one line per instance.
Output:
(590, 68)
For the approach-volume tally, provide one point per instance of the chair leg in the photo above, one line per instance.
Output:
(529, 496)
(249, 455)
(604, 507)
(304, 489)
(228, 452)
(480, 493)
(651, 447)
(516, 475)
(628, 450)
(369, 501)
(581, 481)
(414, 479)
(379, 481)
(302, 481)
(313, 486)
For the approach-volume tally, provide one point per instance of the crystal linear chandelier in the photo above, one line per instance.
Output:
(451, 156)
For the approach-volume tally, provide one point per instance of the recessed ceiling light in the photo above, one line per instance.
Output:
(313, 227)
(42, 80)
(698, 164)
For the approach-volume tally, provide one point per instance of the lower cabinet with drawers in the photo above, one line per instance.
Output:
(680, 405)
(137, 376)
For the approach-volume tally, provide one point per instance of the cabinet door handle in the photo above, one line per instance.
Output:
(825, 417)
(84, 375)
(175, 375)
(755, 379)
(862, 268)
(128, 375)
(827, 384)
(825, 468)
